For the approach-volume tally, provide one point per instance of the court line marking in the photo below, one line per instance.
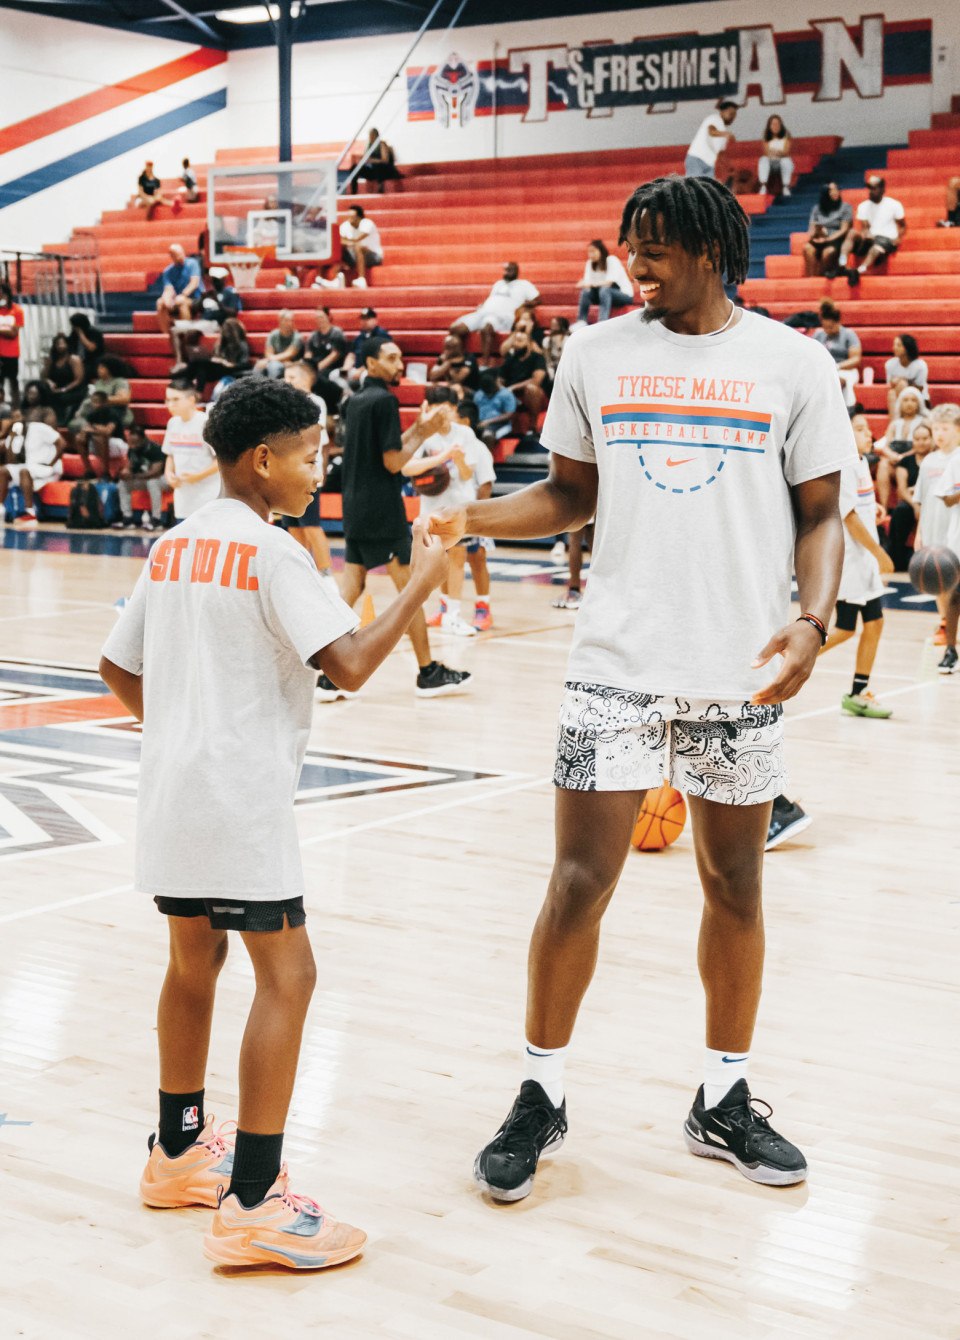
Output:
(383, 822)
(834, 710)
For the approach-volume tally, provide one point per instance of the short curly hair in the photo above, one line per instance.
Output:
(254, 410)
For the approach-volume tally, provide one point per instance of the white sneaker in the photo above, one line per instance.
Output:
(558, 554)
(786, 192)
(359, 282)
(452, 623)
(339, 282)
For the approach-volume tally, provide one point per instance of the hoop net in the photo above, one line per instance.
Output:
(245, 263)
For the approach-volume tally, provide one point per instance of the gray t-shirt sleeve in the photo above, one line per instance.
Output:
(566, 429)
(124, 646)
(300, 609)
(819, 437)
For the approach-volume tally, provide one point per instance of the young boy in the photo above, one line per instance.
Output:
(948, 491)
(469, 416)
(191, 469)
(471, 469)
(217, 654)
(143, 469)
(42, 449)
(861, 583)
(934, 516)
(306, 529)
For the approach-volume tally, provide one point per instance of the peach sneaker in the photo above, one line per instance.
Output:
(283, 1230)
(198, 1176)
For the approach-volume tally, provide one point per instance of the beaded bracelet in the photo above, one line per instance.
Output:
(816, 623)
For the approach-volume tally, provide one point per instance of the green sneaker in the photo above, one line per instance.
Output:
(864, 705)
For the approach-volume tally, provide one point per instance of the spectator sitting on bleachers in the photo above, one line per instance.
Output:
(953, 205)
(142, 469)
(844, 346)
(181, 293)
(898, 439)
(284, 345)
(776, 152)
(554, 343)
(370, 329)
(11, 323)
(221, 301)
(380, 165)
(496, 314)
(904, 517)
(877, 233)
(830, 221)
(149, 195)
(324, 352)
(524, 323)
(189, 191)
(102, 437)
(905, 368)
(360, 249)
(496, 407)
(605, 283)
(86, 342)
(36, 405)
(455, 366)
(63, 374)
(33, 453)
(524, 372)
(230, 358)
(112, 383)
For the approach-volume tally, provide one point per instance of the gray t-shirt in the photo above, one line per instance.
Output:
(696, 440)
(221, 625)
(833, 221)
(839, 346)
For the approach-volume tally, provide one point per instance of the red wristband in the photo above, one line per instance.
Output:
(818, 624)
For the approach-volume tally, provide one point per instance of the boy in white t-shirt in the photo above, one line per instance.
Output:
(191, 468)
(41, 447)
(861, 582)
(468, 464)
(934, 523)
(948, 492)
(217, 654)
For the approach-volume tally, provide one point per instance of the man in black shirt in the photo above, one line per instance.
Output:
(523, 372)
(326, 349)
(149, 194)
(455, 366)
(374, 518)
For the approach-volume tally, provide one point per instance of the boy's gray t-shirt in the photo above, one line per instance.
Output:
(226, 613)
(697, 440)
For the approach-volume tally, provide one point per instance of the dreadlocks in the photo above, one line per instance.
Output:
(699, 214)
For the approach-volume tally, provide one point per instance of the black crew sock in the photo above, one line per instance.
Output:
(181, 1120)
(429, 668)
(256, 1166)
(860, 683)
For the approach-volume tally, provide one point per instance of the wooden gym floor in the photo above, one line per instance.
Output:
(427, 843)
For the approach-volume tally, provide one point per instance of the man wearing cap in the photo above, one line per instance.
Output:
(370, 329)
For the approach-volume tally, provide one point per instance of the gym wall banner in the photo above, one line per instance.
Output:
(826, 60)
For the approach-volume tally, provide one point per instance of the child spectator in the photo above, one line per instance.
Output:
(284, 345)
(830, 221)
(861, 584)
(496, 407)
(776, 151)
(41, 448)
(471, 469)
(906, 514)
(216, 653)
(905, 368)
(605, 283)
(897, 440)
(11, 324)
(191, 468)
(934, 519)
(143, 469)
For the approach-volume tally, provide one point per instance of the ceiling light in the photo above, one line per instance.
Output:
(255, 13)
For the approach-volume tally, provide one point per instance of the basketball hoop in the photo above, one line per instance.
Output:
(245, 263)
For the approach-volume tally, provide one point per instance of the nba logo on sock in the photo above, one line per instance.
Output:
(190, 1119)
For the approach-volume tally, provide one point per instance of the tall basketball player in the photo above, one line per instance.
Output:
(709, 442)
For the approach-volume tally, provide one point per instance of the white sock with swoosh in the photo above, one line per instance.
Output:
(545, 1065)
(721, 1070)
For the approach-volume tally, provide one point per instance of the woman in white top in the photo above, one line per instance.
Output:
(605, 282)
(776, 149)
(897, 441)
(905, 368)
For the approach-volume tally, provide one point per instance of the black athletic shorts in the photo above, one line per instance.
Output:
(371, 554)
(10, 368)
(311, 516)
(225, 914)
(847, 613)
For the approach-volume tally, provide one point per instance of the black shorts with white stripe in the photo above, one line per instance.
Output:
(227, 914)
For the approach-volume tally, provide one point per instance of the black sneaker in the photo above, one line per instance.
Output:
(441, 679)
(125, 523)
(786, 822)
(736, 1131)
(328, 692)
(853, 277)
(506, 1167)
(948, 665)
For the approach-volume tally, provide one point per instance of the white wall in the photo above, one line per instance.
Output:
(335, 83)
(47, 62)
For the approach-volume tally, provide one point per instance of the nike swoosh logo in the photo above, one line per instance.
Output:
(686, 461)
(732, 1060)
(531, 1052)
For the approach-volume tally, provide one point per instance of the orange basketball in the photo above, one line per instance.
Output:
(662, 816)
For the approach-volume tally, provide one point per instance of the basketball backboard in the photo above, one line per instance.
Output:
(291, 207)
